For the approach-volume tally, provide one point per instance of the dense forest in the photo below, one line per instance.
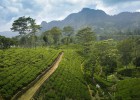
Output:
(94, 66)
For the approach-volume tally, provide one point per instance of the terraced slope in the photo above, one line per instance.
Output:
(31, 91)
(67, 82)
(18, 67)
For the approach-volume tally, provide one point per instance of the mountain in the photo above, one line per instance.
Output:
(98, 20)
(9, 34)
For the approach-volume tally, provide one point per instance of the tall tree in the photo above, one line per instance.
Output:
(136, 52)
(125, 49)
(20, 25)
(56, 33)
(25, 25)
(68, 31)
(33, 29)
(47, 37)
(85, 35)
(106, 55)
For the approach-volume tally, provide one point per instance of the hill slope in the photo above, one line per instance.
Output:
(98, 20)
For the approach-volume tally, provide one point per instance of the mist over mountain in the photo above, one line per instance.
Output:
(9, 34)
(98, 20)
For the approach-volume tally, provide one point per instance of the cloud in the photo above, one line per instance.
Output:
(138, 10)
(112, 7)
(49, 10)
(13, 9)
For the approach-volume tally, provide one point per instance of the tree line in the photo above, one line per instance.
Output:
(109, 55)
(6, 42)
(29, 30)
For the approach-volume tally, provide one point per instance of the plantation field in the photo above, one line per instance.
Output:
(18, 67)
(67, 82)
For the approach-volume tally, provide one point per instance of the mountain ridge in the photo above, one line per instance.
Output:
(98, 20)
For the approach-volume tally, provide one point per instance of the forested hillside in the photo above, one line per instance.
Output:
(98, 20)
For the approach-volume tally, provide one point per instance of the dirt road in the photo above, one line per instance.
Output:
(31, 91)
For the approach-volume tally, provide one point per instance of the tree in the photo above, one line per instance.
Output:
(47, 37)
(136, 62)
(33, 29)
(125, 49)
(68, 31)
(25, 25)
(103, 56)
(6, 42)
(20, 25)
(136, 52)
(56, 34)
(85, 35)
(65, 40)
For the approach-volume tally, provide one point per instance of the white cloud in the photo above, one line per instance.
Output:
(58, 10)
(7, 26)
(49, 10)
(138, 10)
(13, 9)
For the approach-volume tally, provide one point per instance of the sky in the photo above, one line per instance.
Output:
(48, 10)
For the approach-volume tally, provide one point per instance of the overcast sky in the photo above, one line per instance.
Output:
(48, 10)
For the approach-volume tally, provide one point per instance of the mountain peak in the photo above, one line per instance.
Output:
(43, 22)
(95, 11)
(97, 19)
(86, 9)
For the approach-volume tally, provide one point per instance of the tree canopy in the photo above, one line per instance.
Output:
(85, 35)
(26, 26)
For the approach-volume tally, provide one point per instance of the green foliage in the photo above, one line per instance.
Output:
(136, 62)
(52, 36)
(67, 40)
(48, 38)
(125, 48)
(85, 35)
(102, 82)
(18, 67)
(56, 34)
(68, 31)
(104, 54)
(67, 82)
(20, 25)
(6, 42)
(136, 52)
(129, 72)
(33, 29)
(26, 27)
(128, 89)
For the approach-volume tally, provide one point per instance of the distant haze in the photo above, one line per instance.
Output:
(9, 34)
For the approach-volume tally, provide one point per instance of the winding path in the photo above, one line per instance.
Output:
(31, 91)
